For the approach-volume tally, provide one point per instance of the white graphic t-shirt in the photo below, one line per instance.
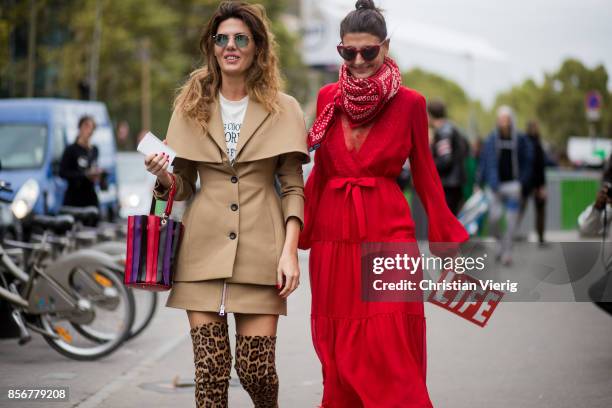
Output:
(232, 113)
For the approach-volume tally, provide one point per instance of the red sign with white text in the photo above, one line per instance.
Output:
(477, 305)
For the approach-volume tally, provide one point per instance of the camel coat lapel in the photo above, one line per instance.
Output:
(254, 118)
(216, 130)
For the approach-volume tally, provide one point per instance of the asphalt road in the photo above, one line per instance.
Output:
(529, 355)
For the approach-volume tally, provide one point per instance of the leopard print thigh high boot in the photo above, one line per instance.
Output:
(212, 358)
(256, 368)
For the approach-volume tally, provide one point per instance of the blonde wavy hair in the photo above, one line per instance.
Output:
(263, 80)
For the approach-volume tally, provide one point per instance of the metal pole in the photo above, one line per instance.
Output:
(94, 62)
(145, 84)
(31, 50)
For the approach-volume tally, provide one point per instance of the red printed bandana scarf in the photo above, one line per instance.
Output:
(360, 98)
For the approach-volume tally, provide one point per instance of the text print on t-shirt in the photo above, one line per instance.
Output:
(232, 113)
(232, 131)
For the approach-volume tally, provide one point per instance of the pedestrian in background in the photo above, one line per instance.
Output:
(537, 185)
(234, 129)
(79, 167)
(505, 172)
(450, 149)
(595, 220)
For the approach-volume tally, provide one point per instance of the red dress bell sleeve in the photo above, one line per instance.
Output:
(314, 186)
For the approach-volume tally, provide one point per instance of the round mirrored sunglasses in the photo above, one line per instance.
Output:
(241, 40)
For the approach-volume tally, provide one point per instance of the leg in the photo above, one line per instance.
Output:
(212, 358)
(255, 358)
(454, 196)
(496, 211)
(512, 201)
(540, 204)
(522, 209)
(512, 216)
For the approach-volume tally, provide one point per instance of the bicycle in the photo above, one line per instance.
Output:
(93, 238)
(81, 289)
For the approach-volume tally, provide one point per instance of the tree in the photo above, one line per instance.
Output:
(458, 103)
(172, 28)
(559, 102)
(127, 27)
(14, 24)
(561, 106)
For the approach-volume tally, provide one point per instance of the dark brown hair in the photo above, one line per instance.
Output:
(263, 79)
(533, 128)
(366, 18)
(84, 119)
(436, 109)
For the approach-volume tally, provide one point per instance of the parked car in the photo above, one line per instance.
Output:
(33, 135)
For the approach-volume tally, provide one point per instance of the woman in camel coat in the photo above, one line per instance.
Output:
(235, 130)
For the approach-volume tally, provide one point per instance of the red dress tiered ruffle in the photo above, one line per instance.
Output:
(373, 354)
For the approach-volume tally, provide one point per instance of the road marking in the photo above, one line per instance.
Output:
(124, 379)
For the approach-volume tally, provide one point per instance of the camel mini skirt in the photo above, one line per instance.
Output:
(208, 296)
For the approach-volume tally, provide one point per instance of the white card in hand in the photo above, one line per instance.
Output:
(150, 144)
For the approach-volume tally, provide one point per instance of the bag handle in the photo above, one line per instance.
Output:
(169, 202)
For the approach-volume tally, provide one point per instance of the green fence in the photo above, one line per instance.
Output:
(575, 196)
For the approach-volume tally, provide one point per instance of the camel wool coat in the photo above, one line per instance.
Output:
(234, 228)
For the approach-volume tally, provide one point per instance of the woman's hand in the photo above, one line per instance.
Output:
(93, 174)
(541, 193)
(289, 272)
(157, 164)
(288, 266)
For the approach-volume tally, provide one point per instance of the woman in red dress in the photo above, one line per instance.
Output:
(372, 353)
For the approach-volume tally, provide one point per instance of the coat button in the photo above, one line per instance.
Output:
(232, 235)
(234, 207)
(234, 179)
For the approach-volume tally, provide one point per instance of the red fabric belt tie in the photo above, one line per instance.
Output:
(352, 188)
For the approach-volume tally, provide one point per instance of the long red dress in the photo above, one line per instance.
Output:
(373, 354)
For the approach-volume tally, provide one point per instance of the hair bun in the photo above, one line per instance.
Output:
(365, 5)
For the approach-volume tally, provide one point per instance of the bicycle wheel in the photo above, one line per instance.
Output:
(145, 301)
(106, 314)
(145, 306)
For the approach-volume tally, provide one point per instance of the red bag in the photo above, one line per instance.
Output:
(152, 248)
